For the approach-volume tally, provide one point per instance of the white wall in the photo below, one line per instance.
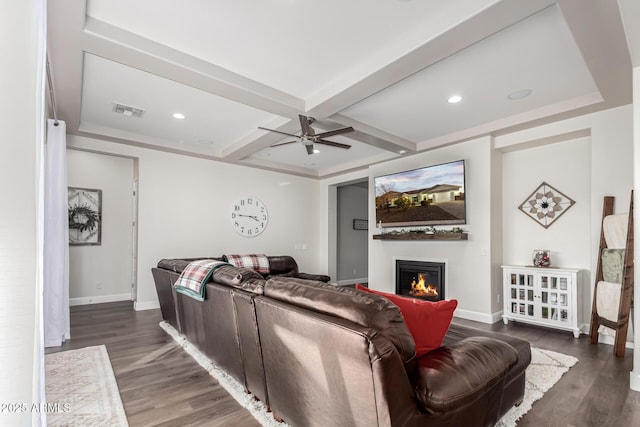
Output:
(103, 273)
(567, 167)
(185, 204)
(610, 136)
(21, 120)
(635, 374)
(469, 261)
(353, 202)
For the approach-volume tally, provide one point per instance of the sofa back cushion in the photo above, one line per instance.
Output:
(239, 278)
(283, 265)
(366, 310)
(177, 265)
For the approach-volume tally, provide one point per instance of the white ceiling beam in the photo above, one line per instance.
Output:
(630, 12)
(65, 58)
(280, 167)
(375, 137)
(356, 165)
(116, 44)
(598, 31)
(489, 21)
(260, 139)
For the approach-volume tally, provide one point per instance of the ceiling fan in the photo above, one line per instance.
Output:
(308, 137)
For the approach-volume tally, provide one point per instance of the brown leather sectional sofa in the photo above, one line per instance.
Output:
(321, 355)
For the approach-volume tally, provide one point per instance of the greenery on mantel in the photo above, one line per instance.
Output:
(427, 233)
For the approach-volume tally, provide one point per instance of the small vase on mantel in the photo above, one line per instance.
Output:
(541, 258)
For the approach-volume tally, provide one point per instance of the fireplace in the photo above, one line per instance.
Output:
(420, 279)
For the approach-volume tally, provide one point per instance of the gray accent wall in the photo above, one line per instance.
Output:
(352, 245)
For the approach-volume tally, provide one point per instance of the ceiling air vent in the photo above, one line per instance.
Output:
(127, 110)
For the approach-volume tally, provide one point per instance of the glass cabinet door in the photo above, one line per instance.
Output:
(554, 298)
(521, 293)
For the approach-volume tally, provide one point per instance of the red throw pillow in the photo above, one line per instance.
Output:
(427, 321)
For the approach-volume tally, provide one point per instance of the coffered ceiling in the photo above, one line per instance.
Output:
(386, 68)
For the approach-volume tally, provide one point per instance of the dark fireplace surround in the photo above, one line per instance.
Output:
(420, 279)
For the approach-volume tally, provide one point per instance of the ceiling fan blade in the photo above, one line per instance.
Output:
(309, 148)
(305, 126)
(331, 143)
(335, 132)
(280, 132)
(283, 143)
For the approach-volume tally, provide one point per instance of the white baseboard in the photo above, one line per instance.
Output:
(99, 299)
(145, 305)
(477, 316)
(603, 338)
(351, 281)
(609, 340)
(634, 381)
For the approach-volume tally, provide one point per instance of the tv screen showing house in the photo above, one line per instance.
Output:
(433, 195)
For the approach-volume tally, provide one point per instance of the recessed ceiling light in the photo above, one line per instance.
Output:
(402, 151)
(316, 151)
(519, 94)
(178, 116)
(454, 99)
(205, 142)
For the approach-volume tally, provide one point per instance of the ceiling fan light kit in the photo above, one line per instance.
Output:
(308, 136)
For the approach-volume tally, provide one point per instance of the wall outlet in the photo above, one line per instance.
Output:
(355, 272)
(99, 285)
(498, 298)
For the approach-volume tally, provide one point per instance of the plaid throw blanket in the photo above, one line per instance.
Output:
(257, 262)
(194, 277)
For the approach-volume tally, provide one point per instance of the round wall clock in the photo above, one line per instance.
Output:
(249, 216)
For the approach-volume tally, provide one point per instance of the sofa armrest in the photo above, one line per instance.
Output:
(456, 376)
(318, 277)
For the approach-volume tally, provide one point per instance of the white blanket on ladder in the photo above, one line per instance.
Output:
(608, 304)
(608, 300)
(608, 297)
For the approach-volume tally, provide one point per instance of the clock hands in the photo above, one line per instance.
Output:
(250, 216)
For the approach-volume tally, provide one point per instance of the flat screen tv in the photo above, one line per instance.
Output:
(433, 195)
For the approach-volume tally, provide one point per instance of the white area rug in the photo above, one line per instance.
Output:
(235, 389)
(546, 368)
(81, 389)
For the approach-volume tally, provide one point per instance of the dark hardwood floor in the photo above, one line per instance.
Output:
(161, 385)
(595, 392)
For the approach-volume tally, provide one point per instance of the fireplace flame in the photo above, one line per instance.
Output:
(419, 289)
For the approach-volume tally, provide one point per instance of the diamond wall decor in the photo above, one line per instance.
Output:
(545, 205)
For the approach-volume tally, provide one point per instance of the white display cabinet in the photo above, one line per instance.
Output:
(541, 296)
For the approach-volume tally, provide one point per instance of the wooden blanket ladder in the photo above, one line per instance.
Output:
(626, 290)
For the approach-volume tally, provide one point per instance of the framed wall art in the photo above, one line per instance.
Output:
(85, 216)
(360, 224)
(545, 205)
